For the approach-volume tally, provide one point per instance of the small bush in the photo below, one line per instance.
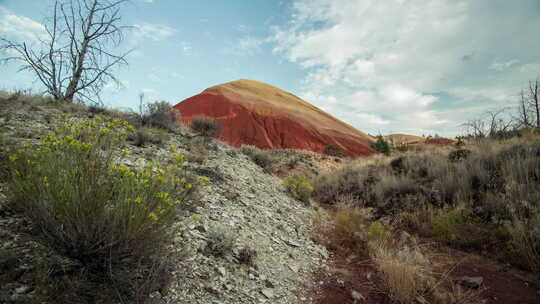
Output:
(382, 146)
(97, 109)
(333, 150)
(299, 187)
(406, 272)
(377, 231)
(198, 152)
(206, 127)
(342, 230)
(462, 229)
(260, 157)
(112, 219)
(220, 242)
(159, 114)
(346, 181)
(247, 256)
(144, 136)
(458, 155)
(524, 243)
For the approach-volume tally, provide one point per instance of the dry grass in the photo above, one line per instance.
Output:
(409, 272)
(497, 187)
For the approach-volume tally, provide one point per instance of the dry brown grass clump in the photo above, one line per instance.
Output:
(408, 270)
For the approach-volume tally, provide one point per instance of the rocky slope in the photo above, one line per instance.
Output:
(254, 113)
(242, 203)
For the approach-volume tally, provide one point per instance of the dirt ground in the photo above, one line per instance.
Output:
(501, 284)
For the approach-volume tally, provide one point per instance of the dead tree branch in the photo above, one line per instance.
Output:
(75, 59)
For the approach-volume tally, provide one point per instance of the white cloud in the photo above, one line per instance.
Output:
(19, 27)
(185, 47)
(242, 28)
(501, 66)
(153, 77)
(394, 59)
(155, 32)
(116, 88)
(246, 45)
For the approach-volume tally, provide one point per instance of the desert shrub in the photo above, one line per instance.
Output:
(263, 160)
(393, 194)
(346, 181)
(378, 232)
(198, 151)
(458, 155)
(461, 228)
(419, 221)
(333, 150)
(343, 230)
(410, 273)
(381, 145)
(524, 243)
(206, 127)
(97, 109)
(220, 242)
(495, 189)
(247, 256)
(7, 146)
(112, 219)
(405, 273)
(159, 114)
(143, 136)
(299, 187)
(260, 157)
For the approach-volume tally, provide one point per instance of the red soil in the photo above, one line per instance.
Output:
(439, 141)
(254, 113)
(501, 284)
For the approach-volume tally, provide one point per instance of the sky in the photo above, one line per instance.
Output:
(393, 66)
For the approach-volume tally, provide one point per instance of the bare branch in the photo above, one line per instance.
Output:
(75, 60)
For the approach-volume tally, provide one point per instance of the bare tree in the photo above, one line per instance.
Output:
(75, 59)
(493, 123)
(497, 123)
(533, 99)
(524, 118)
(475, 128)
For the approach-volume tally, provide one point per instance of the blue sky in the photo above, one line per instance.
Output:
(416, 66)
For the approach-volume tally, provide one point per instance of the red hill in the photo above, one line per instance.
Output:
(255, 113)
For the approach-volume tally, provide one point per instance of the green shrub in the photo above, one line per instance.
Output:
(462, 229)
(206, 127)
(382, 146)
(378, 232)
(299, 187)
(112, 219)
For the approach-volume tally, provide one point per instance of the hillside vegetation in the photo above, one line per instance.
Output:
(102, 206)
(398, 211)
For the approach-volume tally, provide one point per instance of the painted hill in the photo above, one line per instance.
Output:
(399, 139)
(255, 113)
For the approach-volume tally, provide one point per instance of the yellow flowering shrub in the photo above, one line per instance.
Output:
(89, 207)
(299, 187)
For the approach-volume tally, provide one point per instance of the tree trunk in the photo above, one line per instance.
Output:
(79, 67)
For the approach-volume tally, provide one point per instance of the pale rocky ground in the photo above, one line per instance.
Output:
(250, 205)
